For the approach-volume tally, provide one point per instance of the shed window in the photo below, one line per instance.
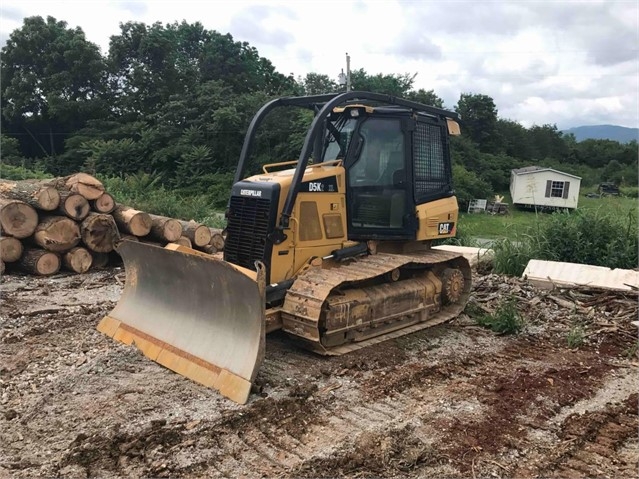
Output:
(557, 189)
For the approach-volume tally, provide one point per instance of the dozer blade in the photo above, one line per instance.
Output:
(196, 315)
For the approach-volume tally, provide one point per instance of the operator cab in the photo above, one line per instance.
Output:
(394, 160)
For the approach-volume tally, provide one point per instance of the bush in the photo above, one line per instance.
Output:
(11, 172)
(505, 320)
(600, 237)
(144, 192)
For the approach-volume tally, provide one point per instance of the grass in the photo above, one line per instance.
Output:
(521, 222)
(505, 320)
(576, 336)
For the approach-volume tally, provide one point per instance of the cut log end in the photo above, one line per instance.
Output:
(39, 261)
(10, 249)
(57, 234)
(17, 219)
(78, 260)
(184, 241)
(99, 232)
(140, 224)
(74, 206)
(132, 221)
(199, 234)
(86, 185)
(48, 198)
(104, 204)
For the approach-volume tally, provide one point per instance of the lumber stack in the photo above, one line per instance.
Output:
(72, 223)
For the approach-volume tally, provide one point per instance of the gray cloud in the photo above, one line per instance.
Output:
(304, 55)
(421, 48)
(136, 8)
(458, 18)
(248, 25)
(8, 13)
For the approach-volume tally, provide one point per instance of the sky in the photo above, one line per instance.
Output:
(568, 63)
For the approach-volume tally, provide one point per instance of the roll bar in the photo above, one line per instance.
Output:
(327, 103)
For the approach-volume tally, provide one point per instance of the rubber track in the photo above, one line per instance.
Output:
(310, 290)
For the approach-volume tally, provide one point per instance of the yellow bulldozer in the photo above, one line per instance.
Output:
(332, 248)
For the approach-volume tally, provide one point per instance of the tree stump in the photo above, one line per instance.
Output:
(73, 205)
(36, 194)
(39, 261)
(57, 234)
(99, 232)
(78, 260)
(10, 249)
(132, 221)
(199, 234)
(17, 218)
(103, 204)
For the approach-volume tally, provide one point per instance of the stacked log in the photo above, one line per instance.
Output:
(199, 235)
(73, 205)
(73, 223)
(34, 193)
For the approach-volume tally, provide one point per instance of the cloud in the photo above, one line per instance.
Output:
(136, 8)
(262, 24)
(420, 48)
(9, 13)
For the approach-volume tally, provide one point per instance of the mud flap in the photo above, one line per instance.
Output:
(196, 315)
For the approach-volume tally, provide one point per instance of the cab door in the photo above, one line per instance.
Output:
(379, 194)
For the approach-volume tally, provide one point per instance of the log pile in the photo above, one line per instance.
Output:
(71, 223)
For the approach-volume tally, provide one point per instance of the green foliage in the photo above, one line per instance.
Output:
(632, 351)
(576, 336)
(144, 191)
(505, 320)
(512, 256)
(396, 85)
(52, 80)
(598, 236)
(426, 97)
(316, 84)
(12, 172)
(479, 120)
(630, 192)
(468, 186)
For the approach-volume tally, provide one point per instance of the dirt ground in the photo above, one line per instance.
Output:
(454, 401)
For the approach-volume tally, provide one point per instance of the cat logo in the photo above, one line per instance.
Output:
(446, 228)
(315, 186)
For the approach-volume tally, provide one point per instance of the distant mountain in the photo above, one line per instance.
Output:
(604, 132)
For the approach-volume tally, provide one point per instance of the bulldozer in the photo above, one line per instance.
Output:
(333, 248)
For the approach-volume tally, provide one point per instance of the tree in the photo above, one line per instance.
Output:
(426, 97)
(53, 81)
(546, 142)
(396, 85)
(479, 120)
(515, 139)
(316, 84)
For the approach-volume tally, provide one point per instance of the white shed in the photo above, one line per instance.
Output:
(535, 186)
